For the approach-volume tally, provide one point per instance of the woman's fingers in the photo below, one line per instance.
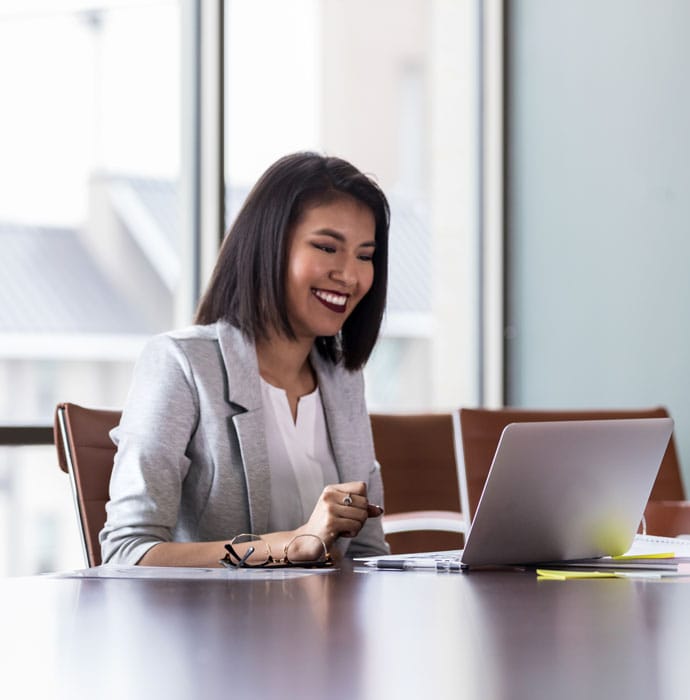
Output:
(347, 508)
(356, 497)
(349, 493)
(363, 506)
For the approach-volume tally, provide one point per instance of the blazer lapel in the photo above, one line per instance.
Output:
(244, 394)
(346, 417)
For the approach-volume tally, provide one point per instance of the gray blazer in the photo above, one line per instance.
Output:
(192, 461)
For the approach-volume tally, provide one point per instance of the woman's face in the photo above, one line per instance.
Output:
(330, 266)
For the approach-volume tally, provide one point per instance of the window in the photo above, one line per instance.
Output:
(88, 232)
(391, 87)
(94, 247)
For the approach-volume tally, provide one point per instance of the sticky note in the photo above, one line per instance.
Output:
(555, 575)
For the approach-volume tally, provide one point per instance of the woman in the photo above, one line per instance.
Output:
(254, 420)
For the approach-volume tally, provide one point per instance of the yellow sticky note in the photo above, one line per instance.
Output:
(555, 575)
(656, 555)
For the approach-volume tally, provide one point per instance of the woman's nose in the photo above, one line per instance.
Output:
(345, 273)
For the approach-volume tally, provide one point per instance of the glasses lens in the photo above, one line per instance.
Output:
(306, 549)
(251, 550)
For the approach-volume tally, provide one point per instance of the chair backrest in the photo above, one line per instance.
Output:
(481, 429)
(86, 453)
(419, 472)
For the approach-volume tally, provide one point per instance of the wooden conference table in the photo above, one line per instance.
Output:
(345, 634)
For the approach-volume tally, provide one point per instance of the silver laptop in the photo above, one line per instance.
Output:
(565, 490)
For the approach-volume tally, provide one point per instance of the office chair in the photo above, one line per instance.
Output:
(417, 454)
(86, 453)
(420, 481)
(667, 512)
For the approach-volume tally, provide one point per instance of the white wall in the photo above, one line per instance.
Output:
(599, 206)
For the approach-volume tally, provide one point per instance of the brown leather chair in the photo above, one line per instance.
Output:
(86, 453)
(667, 513)
(420, 480)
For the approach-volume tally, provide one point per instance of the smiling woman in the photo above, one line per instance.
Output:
(248, 287)
(254, 419)
(330, 266)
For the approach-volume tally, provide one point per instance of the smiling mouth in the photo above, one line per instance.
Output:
(331, 300)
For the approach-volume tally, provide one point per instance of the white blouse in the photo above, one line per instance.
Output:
(299, 455)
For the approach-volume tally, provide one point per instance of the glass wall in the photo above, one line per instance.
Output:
(600, 202)
(89, 136)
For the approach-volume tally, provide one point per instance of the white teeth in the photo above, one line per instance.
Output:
(337, 299)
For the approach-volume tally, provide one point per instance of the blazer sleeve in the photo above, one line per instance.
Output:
(370, 540)
(343, 395)
(158, 420)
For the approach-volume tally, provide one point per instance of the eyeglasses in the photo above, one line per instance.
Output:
(306, 551)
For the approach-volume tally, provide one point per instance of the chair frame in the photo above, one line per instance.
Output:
(673, 516)
(69, 462)
(462, 472)
(418, 520)
(85, 476)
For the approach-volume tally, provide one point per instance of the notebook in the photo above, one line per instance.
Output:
(565, 490)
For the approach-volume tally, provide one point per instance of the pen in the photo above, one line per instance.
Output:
(415, 564)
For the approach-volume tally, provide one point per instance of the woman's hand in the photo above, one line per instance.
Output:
(341, 511)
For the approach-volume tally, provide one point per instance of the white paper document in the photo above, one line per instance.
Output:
(652, 544)
(186, 573)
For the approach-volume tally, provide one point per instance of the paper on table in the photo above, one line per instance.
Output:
(670, 555)
(651, 544)
(185, 573)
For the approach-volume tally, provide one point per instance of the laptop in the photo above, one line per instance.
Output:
(566, 490)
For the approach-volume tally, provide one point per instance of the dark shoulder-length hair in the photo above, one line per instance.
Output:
(247, 287)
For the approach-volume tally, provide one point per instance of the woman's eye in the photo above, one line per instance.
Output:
(324, 248)
(366, 257)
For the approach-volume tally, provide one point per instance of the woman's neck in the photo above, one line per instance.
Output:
(285, 363)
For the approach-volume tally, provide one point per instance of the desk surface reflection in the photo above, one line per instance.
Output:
(345, 634)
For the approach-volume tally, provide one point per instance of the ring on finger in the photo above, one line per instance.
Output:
(347, 501)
